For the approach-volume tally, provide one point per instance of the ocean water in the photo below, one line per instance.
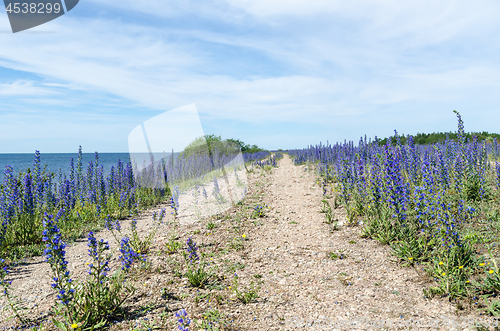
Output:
(55, 161)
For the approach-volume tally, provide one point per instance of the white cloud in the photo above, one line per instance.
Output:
(24, 88)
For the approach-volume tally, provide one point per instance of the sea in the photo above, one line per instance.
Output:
(58, 161)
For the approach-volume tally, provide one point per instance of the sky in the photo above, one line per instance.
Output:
(279, 74)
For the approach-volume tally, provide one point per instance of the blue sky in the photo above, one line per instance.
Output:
(279, 74)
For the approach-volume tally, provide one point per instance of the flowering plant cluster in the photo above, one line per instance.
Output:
(192, 250)
(85, 196)
(91, 302)
(417, 198)
(55, 256)
(127, 254)
(260, 211)
(272, 161)
(134, 247)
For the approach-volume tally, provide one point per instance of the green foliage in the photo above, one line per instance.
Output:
(198, 272)
(207, 143)
(15, 304)
(142, 246)
(198, 275)
(200, 146)
(98, 300)
(24, 233)
(490, 280)
(173, 245)
(213, 320)
(248, 294)
(327, 209)
(211, 225)
(245, 148)
(435, 137)
(236, 244)
(339, 255)
(415, 248)
(259, 211)
(138, 244)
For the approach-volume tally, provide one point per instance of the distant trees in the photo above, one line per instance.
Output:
(245, 148)
(207, 143)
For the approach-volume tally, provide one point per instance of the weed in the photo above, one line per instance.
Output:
(211, 225)
(213, 320)
(249, 294)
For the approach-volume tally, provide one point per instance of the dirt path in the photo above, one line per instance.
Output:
(286, 253)
(307, 286)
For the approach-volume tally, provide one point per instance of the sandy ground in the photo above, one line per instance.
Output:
(285, 253)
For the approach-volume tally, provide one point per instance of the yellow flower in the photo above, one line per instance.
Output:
(410, 258)
(440, 263)
(139, 252)
(444, 273)
(488, 263)
(74, 326)
(481, 264)
(467, 281)
(244, 236)
(491, 271)
(460, 267)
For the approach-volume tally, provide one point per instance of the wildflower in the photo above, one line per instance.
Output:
(491, 271)
(481, 264)
(74, 326)
(183, 320)
(127, 253)
(244, 236)
(444, 273)
(174, 201)
(410, 258)
(460, 267)
(193, 256)
(440, 263)
(55, 256)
